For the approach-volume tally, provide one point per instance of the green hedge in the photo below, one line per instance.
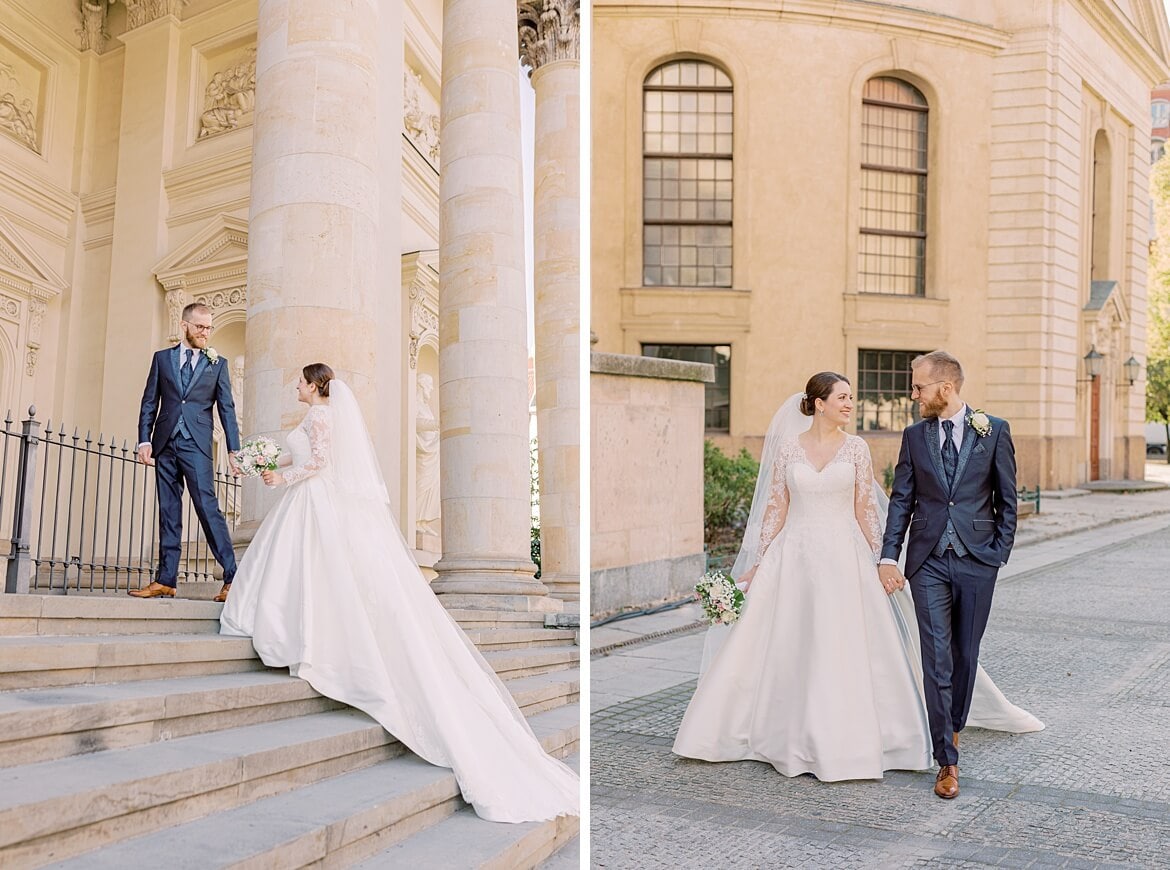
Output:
(728, 485)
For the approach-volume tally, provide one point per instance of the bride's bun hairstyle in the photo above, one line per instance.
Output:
(319, 374)
(819, 386)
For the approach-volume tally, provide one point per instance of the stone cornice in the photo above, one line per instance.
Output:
(1125, 38)
(49, 199)
(650, 367)
(550, 30)
(200, 176)
(853, 14)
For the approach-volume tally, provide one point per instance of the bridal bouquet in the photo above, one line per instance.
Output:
(258, 455)
(722, 600)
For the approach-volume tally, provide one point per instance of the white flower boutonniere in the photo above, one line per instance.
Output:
(980, 422)
(212, 355)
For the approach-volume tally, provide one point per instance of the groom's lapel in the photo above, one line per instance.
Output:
(969, 439)
(175, 366)
(932, 445)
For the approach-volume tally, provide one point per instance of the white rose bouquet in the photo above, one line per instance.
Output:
(722, 600)
(258, 455)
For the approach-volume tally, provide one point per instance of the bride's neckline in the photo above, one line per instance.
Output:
(832, 459)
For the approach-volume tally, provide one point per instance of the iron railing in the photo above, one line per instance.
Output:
(84, 513)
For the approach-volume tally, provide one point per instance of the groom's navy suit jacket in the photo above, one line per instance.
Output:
(981, 504)
(163, 402)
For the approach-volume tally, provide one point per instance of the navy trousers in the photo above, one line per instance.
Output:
(952, 600)
(181, 462)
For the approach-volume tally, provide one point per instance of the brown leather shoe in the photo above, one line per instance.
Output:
(154, 590)
(946, 784)
(222, 595)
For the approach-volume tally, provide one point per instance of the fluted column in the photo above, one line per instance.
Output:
(550, 46)
(483, 376)
(314, 241)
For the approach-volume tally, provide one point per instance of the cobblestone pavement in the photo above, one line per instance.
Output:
(1085, 645)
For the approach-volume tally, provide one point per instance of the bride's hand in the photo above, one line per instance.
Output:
(272, 478)
(746, 580)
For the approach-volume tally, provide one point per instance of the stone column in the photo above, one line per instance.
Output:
(550, 47)
(313, 241)
(146, 134)
(483, 372)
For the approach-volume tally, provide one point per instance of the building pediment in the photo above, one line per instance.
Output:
(215, 257)
(1106, 303)
(212, 268)
(22, 269)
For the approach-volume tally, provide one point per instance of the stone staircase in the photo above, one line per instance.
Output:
(133, 735)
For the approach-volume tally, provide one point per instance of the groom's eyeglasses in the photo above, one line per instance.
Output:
(198, 327)
(918, 388)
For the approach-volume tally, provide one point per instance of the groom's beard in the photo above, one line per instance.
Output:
(933, 408)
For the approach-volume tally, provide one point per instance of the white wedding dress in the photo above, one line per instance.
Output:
(329, 589)
(821, 674)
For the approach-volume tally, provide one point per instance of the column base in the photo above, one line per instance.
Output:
(492, 585)
(566, 587)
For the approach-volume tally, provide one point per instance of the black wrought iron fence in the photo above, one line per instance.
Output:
(83, 512)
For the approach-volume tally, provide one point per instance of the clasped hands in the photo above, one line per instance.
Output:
(891, 578)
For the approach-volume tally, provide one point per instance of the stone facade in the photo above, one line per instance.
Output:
(280, 162)
(1034, 112)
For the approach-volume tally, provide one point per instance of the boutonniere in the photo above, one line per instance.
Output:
(979, 422)
(212, 355)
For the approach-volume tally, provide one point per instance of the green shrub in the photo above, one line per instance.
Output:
(728, 486)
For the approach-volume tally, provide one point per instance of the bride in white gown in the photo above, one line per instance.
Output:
(822, 673)
(329, 589)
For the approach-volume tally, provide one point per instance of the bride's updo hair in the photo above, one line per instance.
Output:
(819, 386)
(319, 374)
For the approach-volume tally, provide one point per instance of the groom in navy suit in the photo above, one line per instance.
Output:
(174, 435)
(955, 491)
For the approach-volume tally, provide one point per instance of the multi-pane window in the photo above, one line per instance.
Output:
(686, 176)
(882, 397)
(892, 256)
(718, 394)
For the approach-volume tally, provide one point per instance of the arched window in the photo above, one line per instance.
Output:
(686, 176)
(892, 250)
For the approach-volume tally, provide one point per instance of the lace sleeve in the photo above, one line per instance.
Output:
(777, 511)
(864, 504)
(317, 426)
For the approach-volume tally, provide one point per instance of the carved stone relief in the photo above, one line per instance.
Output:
(18, 111)
(224, 300)
(230, 98)
(420, 123)
(139, 12)
(550, 30)
(9, 308)
(93, 24)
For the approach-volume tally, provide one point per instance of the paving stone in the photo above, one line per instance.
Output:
(1084, 644)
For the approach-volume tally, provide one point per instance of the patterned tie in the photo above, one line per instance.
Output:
(950, 456)
(185, 369)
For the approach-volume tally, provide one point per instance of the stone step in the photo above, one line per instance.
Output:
(334, 822)
(44, 724)
(55, 809)
(42, 662)
(469, 619)
(513, 663)
(464, 840)
(517, 638)
(91, 614)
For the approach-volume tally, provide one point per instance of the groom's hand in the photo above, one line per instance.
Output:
(233, 465)
(144, 452)
(891, 577)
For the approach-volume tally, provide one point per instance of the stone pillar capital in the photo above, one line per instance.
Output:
(550, 30)
(140, 12)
